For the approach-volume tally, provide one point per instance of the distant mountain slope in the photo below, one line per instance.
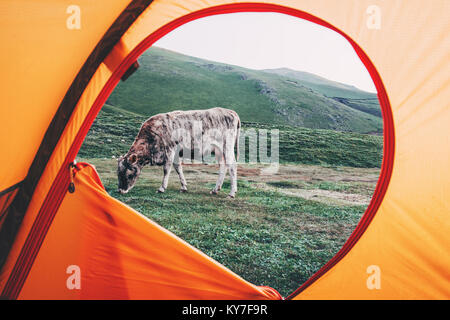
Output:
(169, 81)
(322, 84)
(346, 94)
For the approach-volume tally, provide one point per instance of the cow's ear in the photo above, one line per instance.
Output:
(132, 159)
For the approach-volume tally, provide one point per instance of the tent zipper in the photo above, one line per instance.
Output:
(72, 167)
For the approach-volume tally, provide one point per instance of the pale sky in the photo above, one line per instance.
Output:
(270, 40)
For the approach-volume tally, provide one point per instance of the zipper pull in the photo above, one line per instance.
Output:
(72, 167)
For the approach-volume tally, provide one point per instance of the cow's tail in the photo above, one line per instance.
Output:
(237, 138)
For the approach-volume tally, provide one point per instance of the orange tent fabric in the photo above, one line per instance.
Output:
(123, 255)
(55, 80)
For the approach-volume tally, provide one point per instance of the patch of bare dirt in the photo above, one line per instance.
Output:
(328, 197)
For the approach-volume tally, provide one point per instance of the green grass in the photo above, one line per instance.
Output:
(265, 236)
(114, 131)
(325, 147)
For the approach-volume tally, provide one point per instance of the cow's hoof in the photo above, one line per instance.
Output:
(230, 196)
(183, 190)
(160, 190)
(213, 192)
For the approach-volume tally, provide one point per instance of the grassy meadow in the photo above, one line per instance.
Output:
(281, 227)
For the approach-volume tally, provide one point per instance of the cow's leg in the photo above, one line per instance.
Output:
(233, 179)
(179, 170)
(222, 171)
(166, 169)
(230, 162)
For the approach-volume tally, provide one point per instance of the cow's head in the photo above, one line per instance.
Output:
(128, 171)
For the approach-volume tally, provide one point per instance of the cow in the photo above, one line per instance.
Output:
(164, 137)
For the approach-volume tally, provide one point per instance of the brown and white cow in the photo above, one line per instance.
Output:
(164, 137)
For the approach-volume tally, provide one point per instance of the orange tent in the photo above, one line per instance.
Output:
(60, 60)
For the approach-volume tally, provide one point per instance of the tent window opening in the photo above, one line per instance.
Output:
(310, 142)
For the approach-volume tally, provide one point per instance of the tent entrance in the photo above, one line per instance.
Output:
(59, 188)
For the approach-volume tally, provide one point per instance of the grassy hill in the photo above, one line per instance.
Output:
(114, 131)
(348, 95)
(326, 87)
(169, 81)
